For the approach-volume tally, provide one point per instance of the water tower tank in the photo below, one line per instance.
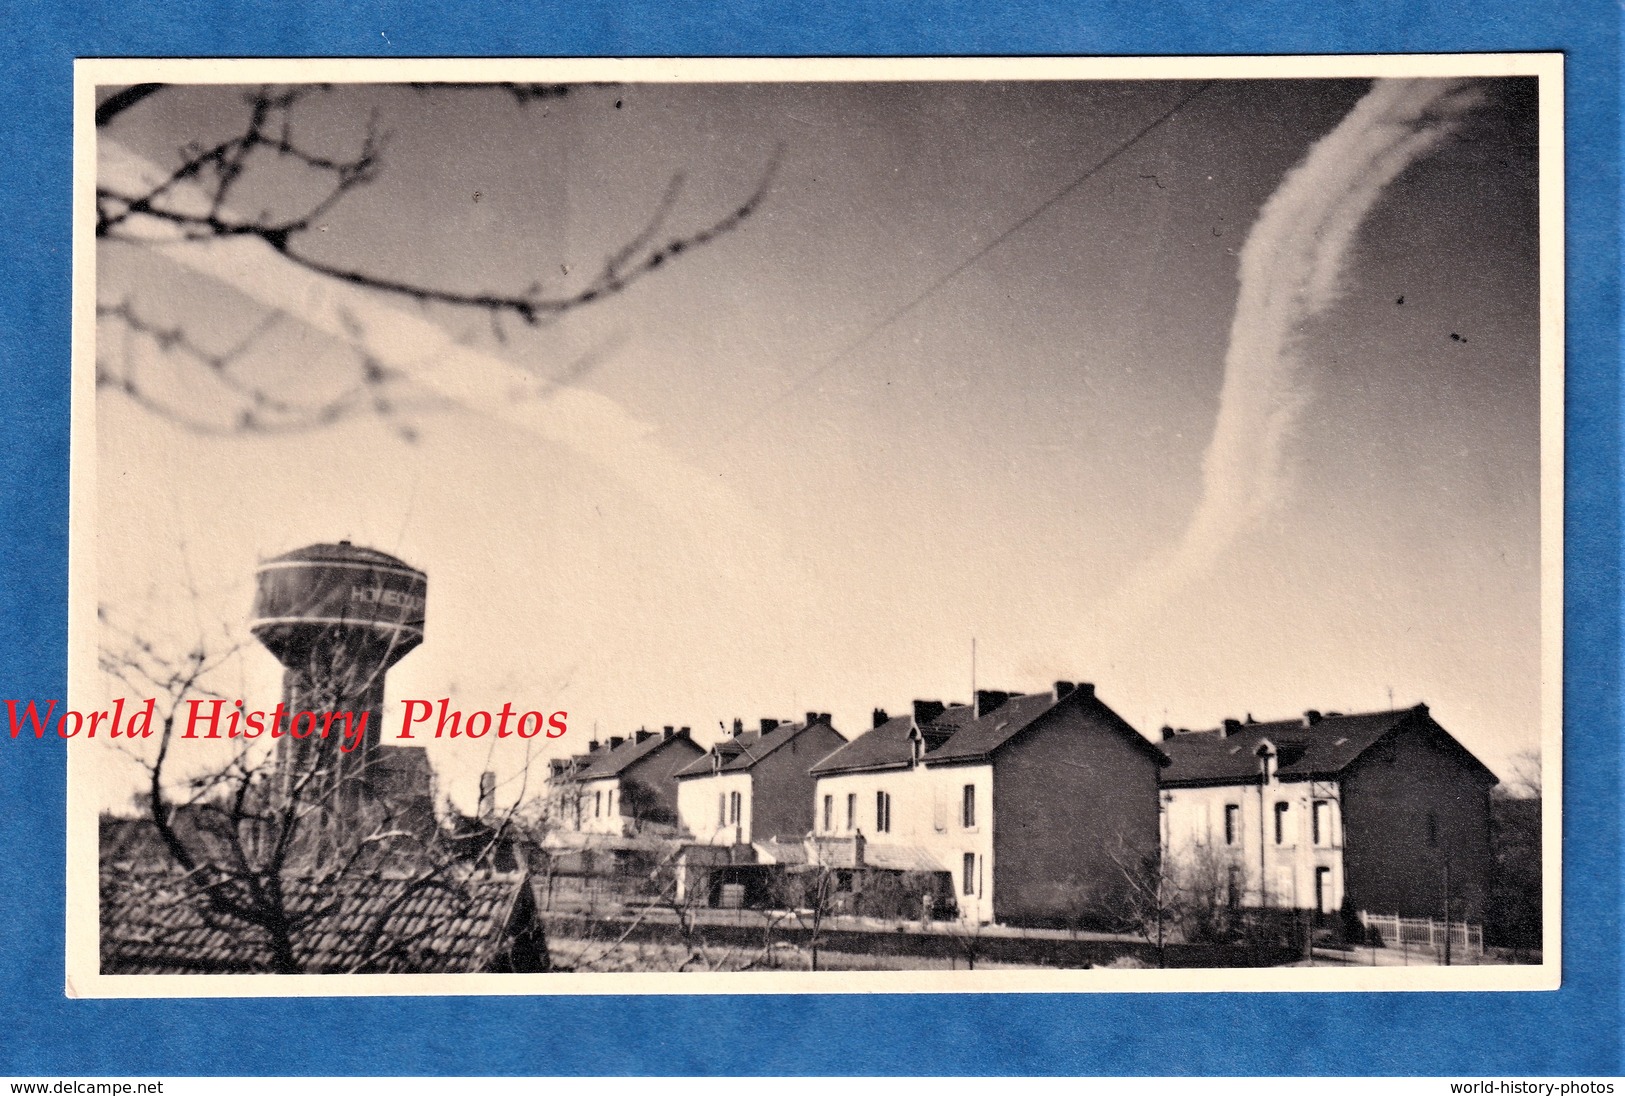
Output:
(337, 616)
(365, 600)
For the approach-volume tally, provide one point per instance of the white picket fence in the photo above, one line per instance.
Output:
(1424, 932)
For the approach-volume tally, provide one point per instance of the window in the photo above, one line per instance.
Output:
(722, 809)
(967, 808)
(883, 812)
(1232, 823)
(1232, 890)
(969, 885)
(852, 810)
(1323, 890)
(1280, 823)
(1322, 822)
(597, 804)
(733, 807)
(829, 813)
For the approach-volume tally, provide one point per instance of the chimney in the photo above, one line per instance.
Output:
(1311, 717)
(488, 794)
(823, 717)
(592, 747)
(667, 728)
(682, 732)
(768, 724)
(1232, 726)
(666, 733)
(615, 741)
(987, 701)
(927, 710)
(1063, 689)
(1167, 732)
(739, 727)
(880, 716)
(644, 736)
(812, 717)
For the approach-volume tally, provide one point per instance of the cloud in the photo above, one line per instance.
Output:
(1292, 268)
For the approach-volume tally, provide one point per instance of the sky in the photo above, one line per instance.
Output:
(800, 468)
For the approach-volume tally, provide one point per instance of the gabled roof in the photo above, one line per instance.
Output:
(1306, 750)
(604, 763)
(741, 752)
(980, 737)
(886, 746)
(155, 922)
(959, 736)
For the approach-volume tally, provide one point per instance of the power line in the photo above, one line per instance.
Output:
(914, 302)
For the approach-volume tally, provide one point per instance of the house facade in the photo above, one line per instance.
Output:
(1032, 806)
(756, 785)
(623, 787)
(1383, 811)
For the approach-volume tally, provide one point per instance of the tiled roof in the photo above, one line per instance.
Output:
(884, 747)
(743, 751)
(156, 922)
(961, 737)
(774, 851)
(605, 762)
(980, 737)
(899, 858)
(1306, 750)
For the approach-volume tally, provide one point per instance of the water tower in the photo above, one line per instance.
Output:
(337, 616)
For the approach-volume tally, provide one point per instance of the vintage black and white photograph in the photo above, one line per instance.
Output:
(815, 526)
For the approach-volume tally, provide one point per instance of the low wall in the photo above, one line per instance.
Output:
(1022, 950)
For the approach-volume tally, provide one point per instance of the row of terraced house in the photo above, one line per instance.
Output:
(1029, 808)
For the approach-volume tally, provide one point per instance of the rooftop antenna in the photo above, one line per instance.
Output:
(973, 669)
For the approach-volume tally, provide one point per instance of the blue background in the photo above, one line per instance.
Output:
(1574, 1031)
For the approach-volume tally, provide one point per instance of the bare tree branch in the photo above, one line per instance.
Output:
(216, 169)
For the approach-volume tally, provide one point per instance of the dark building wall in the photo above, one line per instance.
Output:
(1072, 797)
(1393, 856)
(655, 776)
(781, 788)
(339, 775)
